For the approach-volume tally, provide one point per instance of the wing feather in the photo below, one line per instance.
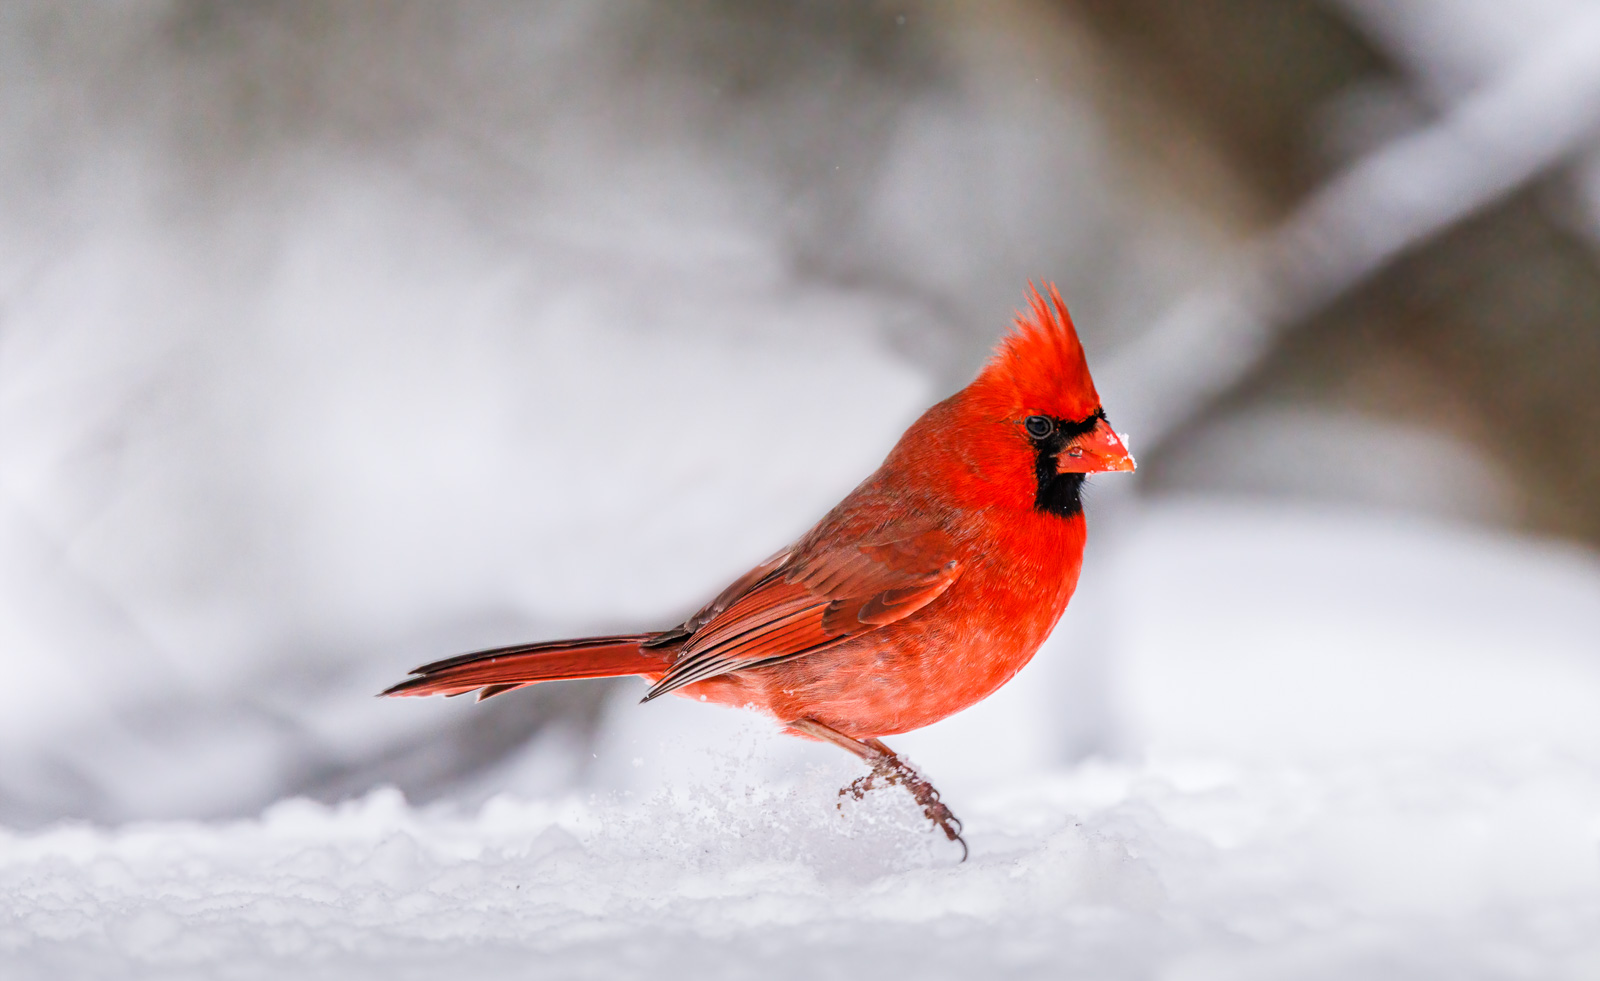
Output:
(801, 602)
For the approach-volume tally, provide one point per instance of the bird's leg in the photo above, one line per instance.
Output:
(893, 771)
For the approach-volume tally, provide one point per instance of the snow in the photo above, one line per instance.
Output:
(1352, 745)
(357, 409)
(1177, 870)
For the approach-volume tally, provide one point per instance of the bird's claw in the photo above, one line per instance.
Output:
(896, 773)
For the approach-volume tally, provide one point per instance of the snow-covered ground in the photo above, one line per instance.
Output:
(1181, 870)
(358, 405)
(1350, 745)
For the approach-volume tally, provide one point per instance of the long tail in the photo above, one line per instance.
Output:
(503, 668)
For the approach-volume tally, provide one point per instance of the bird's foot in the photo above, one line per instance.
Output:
(894, 772)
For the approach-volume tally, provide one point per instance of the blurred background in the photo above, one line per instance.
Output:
(339, 338)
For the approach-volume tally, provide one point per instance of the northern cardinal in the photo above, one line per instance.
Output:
(921, 593)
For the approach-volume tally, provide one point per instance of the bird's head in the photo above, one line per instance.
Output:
(1030, 427)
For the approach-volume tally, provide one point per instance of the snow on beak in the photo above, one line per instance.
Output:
(1100, 450)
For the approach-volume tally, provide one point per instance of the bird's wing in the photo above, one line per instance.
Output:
(814, 599)
(724, 599)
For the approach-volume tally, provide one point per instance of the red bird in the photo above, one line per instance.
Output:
(921, 593)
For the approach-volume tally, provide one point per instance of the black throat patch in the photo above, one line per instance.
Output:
(1060, 494)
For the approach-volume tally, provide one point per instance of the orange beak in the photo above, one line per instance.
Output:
(1098, 451)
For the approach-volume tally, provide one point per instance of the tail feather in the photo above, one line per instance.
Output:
(502, 669)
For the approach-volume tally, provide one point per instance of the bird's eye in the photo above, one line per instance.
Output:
(1039, 426)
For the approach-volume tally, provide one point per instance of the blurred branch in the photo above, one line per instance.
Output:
(1539, 113)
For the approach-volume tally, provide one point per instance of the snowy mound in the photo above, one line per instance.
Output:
(1356, 747)
(1482, 870)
